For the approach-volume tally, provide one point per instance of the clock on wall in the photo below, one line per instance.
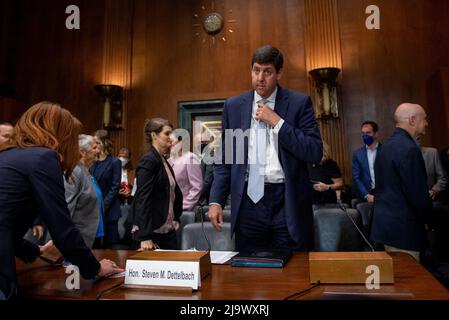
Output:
(213, 22)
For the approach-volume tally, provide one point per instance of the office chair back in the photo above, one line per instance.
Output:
(334, 231)
(193, 237)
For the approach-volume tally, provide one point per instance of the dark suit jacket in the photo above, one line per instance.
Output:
(150, 205)
(402, 205)
(360, 171)
(299, 143)
(108, 174)
(32, 184)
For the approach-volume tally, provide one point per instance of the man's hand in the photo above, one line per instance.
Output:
(216, 216)
(46, 247)
(320, 187)
(265, 114)
(38, 231)
(432, 194)
(370, 198)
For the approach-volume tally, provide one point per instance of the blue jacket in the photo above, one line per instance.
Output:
(108, 174)
(402, 205)
(299, 143)
(360, 171)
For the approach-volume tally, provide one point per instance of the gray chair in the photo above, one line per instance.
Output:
(355, 202)
(193, 237)
(334, 231)
(187, 217)
(125, 210)
(327, 206)
(365, 209)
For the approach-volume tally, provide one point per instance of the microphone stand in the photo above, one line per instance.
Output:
(342, 207)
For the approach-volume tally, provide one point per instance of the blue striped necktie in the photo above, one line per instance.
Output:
(256, 176)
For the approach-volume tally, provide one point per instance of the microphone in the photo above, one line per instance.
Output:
(201, 212)
(342, 207)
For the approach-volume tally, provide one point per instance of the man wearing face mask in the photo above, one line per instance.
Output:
(127, 180)
(363, 162)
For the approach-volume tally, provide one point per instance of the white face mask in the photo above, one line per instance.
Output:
(124, 161)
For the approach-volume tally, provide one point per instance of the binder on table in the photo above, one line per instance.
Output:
(273, 258)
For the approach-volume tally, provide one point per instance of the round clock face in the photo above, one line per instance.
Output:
(213, 23)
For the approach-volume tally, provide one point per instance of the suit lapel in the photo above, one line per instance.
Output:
(281, 105)
(246, 108)
(365, 159)
(163, 173)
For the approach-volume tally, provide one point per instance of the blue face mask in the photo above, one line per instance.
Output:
(367, 139)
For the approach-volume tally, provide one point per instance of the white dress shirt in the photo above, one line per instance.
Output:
(273, 169)
(371, 154)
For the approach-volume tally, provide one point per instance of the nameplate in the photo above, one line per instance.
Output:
(167, 269)
(163, 273)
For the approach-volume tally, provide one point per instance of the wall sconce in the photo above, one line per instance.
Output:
(325, 92)
(112, 105)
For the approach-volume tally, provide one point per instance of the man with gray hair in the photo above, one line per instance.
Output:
(402, 206)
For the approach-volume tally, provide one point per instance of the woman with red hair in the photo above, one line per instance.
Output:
(33, 164)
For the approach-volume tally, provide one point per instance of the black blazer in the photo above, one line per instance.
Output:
(402, 205)
(31, 185)
(150, 205)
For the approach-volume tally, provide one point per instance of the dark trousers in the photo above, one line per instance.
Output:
(111, 235)
(8, 289)
(166, 240)
(263, 225)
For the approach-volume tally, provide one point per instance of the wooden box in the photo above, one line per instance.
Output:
(349, 267)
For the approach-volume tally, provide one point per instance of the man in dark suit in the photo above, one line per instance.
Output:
(402, 206)
(266, 172)
(363, 162)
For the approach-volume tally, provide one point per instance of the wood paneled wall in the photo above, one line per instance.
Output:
(117, 57)
(162, 56)
(49, 62)
(171, 63)
(382, 68)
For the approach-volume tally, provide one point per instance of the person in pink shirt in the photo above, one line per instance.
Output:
(187, 168)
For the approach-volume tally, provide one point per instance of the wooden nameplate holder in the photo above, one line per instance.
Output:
(200, 257)
(203, 257)
(350, 267)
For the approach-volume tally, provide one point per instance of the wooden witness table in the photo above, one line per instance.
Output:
(40, 280)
